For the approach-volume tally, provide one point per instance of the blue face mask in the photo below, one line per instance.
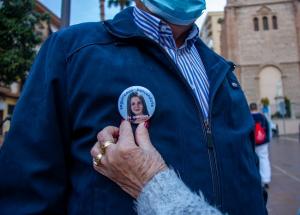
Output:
(178, 12)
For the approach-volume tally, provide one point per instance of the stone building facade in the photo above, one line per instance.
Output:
(263, 38)
(210, 31)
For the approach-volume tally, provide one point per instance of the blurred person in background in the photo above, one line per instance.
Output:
(262, 138)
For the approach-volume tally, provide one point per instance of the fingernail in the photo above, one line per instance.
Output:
(147, 124)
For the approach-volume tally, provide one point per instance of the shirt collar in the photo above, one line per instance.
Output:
(159, 31)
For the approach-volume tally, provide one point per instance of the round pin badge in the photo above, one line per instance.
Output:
(136, 104)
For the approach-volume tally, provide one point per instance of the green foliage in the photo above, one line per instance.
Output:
(18, 38)
(265, 101)
(122, 3)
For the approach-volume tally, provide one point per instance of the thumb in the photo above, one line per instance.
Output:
(126, 134)
(142, 137)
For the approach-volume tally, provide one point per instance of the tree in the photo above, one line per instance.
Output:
(265, 101)
(18, 39)
(122, 3)
(102, 10)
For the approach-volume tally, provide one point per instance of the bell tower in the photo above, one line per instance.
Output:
(235, 2)
(229, 31)
(262, 37)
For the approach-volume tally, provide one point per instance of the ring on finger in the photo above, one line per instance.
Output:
(97, 159)
(104, 145)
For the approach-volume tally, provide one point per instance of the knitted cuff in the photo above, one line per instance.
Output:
(165, 193)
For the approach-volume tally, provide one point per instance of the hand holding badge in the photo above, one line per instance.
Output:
(130, 149)
(136, 104)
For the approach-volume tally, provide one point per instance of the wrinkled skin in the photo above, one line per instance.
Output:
(129, 163)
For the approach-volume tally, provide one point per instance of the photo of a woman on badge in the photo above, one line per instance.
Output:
(137, 111)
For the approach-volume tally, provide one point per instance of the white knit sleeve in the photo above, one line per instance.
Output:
(166, 194)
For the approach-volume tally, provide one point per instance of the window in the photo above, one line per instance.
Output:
(256, 24)
(265, 23)
(274, 22)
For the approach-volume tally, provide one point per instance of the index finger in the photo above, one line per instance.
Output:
(126, 134)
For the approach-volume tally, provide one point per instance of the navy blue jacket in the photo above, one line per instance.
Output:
(72, 93)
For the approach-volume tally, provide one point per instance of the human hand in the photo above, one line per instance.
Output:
(128, 163)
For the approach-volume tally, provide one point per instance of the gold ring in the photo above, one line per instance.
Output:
(104, 145)
(97, 159)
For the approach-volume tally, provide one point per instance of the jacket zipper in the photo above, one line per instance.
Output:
(212, 153)
(205, 123)
(213, 164)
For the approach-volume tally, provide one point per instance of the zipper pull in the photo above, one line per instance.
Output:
(208, 132)
(207, 126)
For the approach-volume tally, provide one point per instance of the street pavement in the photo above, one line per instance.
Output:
(284, 191)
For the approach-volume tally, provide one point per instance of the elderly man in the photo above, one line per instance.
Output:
(201, 125)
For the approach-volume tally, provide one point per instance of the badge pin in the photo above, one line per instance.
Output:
(234, 85)
(136, 104)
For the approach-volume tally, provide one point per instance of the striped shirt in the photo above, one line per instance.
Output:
(185, 57)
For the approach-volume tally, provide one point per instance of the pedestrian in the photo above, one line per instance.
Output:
(79, 84)
(262, 138)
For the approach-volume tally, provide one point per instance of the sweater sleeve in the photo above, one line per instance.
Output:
(165, 194)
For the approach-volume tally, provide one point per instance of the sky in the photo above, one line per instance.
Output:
(88, 10)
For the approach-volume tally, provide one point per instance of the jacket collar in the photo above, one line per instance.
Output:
(216, 68)
(212, 61)
(124, 27)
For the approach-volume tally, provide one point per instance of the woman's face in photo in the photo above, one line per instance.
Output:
(136, 106)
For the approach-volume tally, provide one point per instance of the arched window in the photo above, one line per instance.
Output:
(274, 21)
(256, 24)
(265, 23)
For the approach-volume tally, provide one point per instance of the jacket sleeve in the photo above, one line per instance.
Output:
(34, 153)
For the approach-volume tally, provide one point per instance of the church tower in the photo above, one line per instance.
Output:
(263, 38)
